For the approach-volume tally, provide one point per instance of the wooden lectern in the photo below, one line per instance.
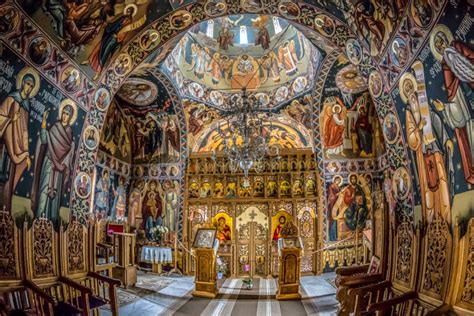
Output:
(290, 251)
(205, 254)
(124, 247)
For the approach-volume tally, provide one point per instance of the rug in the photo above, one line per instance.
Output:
(147, 285)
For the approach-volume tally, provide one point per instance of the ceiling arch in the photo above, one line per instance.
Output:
(171, 26)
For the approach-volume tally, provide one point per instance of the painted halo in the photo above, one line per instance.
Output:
(440, 33)
(262, 98)
(401, 183)
(102, 99)
(299, 84)
(10, 25)
(289, 9)
(216, 97)
(123, 64)
(422, 21)
(82, 185)
(407, 81)
(325, 25)
(150, 40)
(390, 128)
(195, 90)
(74, 107)
(46, 53)
(349, 80)
(181, 19)
(215, 8)
(281, 94)
(130, 91)
(354, 51)
(90, 137)
(375, 84)
(70, 79)
(28, 71)
(397, 48)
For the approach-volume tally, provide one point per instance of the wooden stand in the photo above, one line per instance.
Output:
(205, 275)
(289, 276)
(126, 270)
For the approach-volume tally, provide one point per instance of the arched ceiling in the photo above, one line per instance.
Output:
(266, 55)
(81, 28)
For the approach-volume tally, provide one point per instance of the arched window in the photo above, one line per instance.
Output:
(243, 35)
(276, 25)
(210, 28)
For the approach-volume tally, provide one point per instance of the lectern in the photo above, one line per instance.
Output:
(290, 252)
(124, 247)
(205, 254)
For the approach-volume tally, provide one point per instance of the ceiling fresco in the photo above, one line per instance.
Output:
(92, 32)
(143, 126)
(296, 115)
(282, 135)
(266, 55)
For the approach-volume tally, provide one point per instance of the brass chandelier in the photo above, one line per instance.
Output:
(245, 136)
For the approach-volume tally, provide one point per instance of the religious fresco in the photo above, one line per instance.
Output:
(437, 123)
(111, 193)
(216, 59)
(93, 32)
(349, 124)
(40, 130)
(376, 20)
(282, 136)
(349, 203)
(141, 125)
(202, 119)
(115, 138)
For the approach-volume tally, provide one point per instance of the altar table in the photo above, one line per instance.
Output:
(156, 256)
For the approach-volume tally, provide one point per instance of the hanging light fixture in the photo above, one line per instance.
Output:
(245, 136)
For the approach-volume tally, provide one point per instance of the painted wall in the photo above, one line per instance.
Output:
(40, 129)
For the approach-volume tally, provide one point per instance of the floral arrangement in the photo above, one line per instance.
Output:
(157, 232)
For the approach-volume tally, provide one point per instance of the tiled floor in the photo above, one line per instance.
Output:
(318, 298)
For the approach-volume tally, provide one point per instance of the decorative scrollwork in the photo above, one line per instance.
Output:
(75, 247)
(43, 247)
(404, 252)
(467, 295)
(7, 246)
(436, 256)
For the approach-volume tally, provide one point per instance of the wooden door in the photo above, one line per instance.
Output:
(252, 240)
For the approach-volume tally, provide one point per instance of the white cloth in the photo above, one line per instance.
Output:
(152, 254)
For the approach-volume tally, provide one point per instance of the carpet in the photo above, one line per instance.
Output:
(147, 285)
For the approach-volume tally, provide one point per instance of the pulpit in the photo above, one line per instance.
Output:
(205, 255)
(290, 251)
(124, 248)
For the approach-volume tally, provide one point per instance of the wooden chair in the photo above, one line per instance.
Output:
(406, 304)
(51, 293)
(351, 278)
(101, 251)
(461, 296)
(393, 298)
(13, 294)
(75, 267)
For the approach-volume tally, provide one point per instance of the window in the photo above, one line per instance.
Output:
(276, 25)
(210, 28)
(243, 35)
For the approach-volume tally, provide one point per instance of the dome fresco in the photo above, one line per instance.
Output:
(266, 55)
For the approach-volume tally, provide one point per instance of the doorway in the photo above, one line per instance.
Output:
(252, 242)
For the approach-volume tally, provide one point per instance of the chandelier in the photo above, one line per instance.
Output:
(245, 136)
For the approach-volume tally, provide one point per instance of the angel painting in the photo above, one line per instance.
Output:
(334, 116)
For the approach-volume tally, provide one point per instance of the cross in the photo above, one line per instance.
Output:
(252, 215)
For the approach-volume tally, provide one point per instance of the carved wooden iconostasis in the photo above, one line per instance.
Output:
(249, 214)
